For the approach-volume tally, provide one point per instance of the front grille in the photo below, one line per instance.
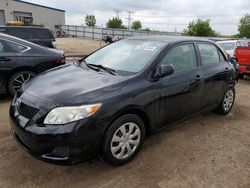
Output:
(27, 111)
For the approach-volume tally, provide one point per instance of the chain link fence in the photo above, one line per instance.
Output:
(96, 33)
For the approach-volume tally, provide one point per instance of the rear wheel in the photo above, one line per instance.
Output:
(123, 140)
(18, 79)
(227, 102)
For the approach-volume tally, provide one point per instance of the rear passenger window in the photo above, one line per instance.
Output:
(209, 54)
(182, 57)
(1, 47)
(19, 32)
(222, 57)
(41, 34)
(16, 47)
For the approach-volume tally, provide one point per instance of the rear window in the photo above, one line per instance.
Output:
(22, 33)
(41, 34)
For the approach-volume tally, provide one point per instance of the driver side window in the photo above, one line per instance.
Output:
(182, 57)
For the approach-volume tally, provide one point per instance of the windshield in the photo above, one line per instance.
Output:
(227, 45)
(126, 57)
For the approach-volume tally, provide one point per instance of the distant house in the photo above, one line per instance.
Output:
(17, 10)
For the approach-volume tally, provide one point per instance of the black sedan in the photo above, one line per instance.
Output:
(110, 101)
(21, 60)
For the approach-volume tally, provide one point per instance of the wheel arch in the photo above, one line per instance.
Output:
(137, 111)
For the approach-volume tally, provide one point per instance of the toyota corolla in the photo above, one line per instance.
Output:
(109, 102)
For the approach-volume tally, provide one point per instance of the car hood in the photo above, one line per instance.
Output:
(72, 85)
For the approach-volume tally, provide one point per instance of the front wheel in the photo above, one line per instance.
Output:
(18, 79)
(123, 140)
(227, 102)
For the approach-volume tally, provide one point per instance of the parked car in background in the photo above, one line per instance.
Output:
(21, 60)
(109, 101)
(230, 45)
(39, 35)
(242, 55)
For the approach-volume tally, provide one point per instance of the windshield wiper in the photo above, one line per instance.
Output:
(87, 65)
(111, 71)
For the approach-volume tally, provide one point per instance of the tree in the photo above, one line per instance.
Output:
(146, 29)
(90, 20)
(136, 25)
(115, 23)
(244, 26)
(200, 28)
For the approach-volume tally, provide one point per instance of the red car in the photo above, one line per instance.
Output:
(242, 55)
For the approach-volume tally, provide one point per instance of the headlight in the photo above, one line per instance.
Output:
(63, 115)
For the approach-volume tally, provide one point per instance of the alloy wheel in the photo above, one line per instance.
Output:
(21, 79)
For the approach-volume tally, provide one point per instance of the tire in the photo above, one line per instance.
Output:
(17, 79)
(227, 102)
(115, 146)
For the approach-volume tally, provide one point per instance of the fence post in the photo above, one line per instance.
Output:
(93, 34)
(76, 31)
(84, 32)
(68, 29)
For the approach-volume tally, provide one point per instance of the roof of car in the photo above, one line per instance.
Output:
(227, 41)
(171, 38)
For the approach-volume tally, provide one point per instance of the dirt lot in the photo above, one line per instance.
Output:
(207, 151)
(76, 46)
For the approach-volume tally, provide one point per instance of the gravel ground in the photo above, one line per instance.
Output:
(206, 151)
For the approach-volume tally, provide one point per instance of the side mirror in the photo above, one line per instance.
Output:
(164, 70)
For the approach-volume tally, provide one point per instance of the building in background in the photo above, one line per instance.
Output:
(30, 13)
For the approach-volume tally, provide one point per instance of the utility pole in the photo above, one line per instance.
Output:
(117, 12)
(129, 19)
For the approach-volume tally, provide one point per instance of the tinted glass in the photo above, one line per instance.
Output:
(1, 47)
(14, 47)
(127, 57)
(222, 57)
(41, 34)
(183, 58)
(242, 43)
(209, 54)
(227, 45)
(19, 32)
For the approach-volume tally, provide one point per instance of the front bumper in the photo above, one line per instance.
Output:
(65, 144)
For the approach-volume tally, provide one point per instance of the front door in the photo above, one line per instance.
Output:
(180, 93)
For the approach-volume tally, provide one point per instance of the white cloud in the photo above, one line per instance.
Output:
(165, 15)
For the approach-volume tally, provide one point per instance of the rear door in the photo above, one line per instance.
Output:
(217, 73)
(8, 59)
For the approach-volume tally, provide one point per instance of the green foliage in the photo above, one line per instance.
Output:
(136, 25)
(200, 28)
(146, 29)
(244, 26)
(115, 23)
(90, 20)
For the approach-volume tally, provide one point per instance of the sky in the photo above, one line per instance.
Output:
(164, 15)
